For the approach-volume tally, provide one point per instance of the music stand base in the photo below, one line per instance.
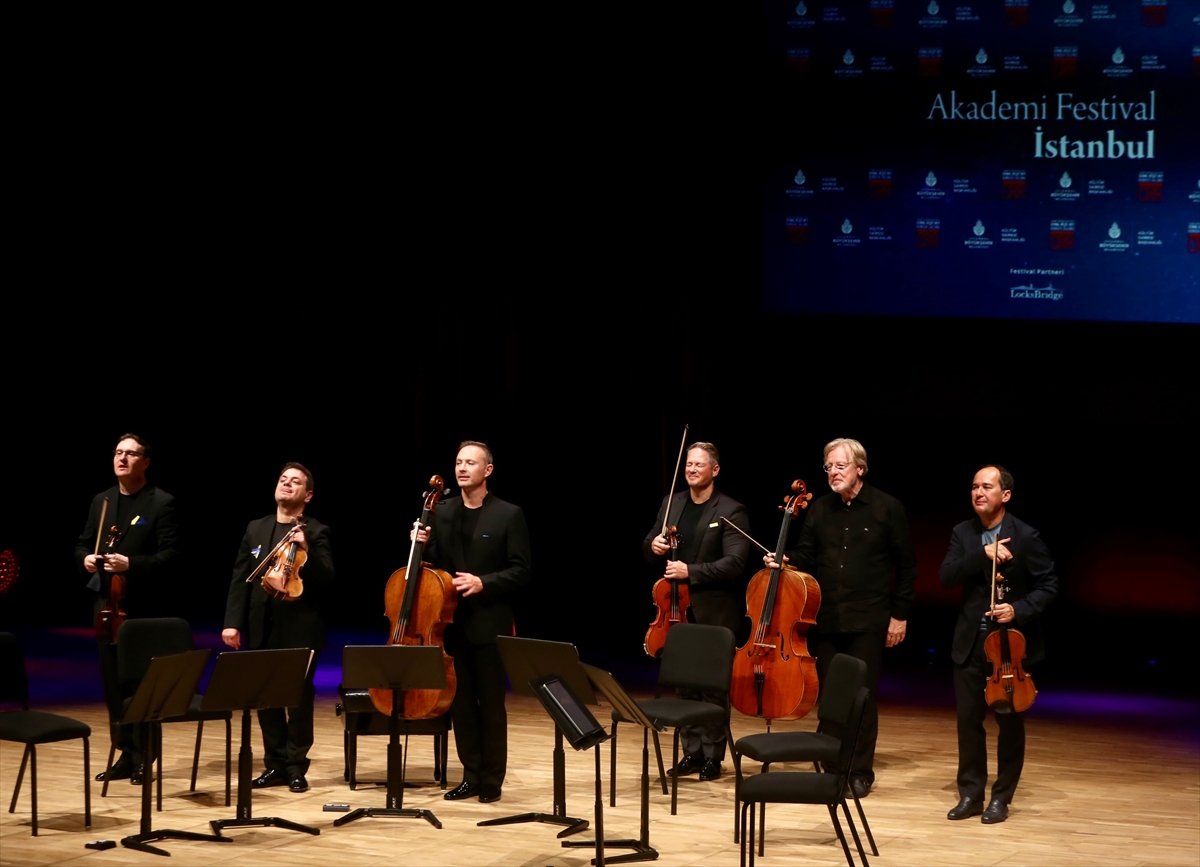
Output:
(261, 822)
(642, 851)
(573, 826)
(141, 842)
(385, 813)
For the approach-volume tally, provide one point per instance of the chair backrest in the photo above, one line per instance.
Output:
(845, 676)
(142, 639)
(14, 685)
(698, 657)
(850, 737)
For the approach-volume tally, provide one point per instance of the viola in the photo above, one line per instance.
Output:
(774, 675)
(282, 579)
(419, 602)
(111, 615)
(673, 597)
(1008, 687)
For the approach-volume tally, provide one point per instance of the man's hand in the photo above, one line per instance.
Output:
(422, 533)
(89, 562)
(659, 545)
(896, 631)
(467, 584)
(116, 563)
(1004, 613)
(769, 560)
(675, 569)
(1004, 556)
(298, 538)
(232, 637)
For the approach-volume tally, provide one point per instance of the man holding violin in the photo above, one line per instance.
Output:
(260, 620)
(711, 556)
(140, 522)
(1028, 575)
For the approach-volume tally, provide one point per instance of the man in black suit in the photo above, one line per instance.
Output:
(260, 622)
(855, 541)
(710, 555)
(145, 555)
(484, 543)
(1031, 585)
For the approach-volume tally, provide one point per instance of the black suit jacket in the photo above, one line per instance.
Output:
(722, 553)
(1029, 576)
(499, 555)
(298, 623)
(150, 540)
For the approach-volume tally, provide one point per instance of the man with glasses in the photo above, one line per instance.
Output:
(855, 541)
(144, 555)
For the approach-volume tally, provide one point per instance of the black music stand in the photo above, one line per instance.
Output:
(607, 686)
(250, 680)
(527, 660)
(396, 667)
(166, 690)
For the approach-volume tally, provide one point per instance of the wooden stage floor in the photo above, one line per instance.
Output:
(1092, 793)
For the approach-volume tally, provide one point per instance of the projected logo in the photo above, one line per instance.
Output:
(798, 60)
(933, 18)
(982, 68)
(1154, 13)
(800, 19)
(800, 187)
(928, 232)
(1195, 195)
(1012, 184)
(1194, 237)
(846, 236)
(796, 231)
(1064, 193)
(1196, 61)
(882, 13)
(1016, 13)
(1068, 18)
(1066, 61)
(1150, 186)
(979, 239)
(1062, 234)
(1118, 69)
(1114, 244)
(930, 189)
(879, 183)
(929, 62)
(848, 69)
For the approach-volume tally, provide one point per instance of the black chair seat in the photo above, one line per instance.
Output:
(36, 727)
(773, 747)
(360, 717)
(791, 787)
(678, 712)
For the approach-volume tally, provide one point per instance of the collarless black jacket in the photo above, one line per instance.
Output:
(150, 539)
(299, 623)
(1029, 575)
(499, 555)
(722, 553)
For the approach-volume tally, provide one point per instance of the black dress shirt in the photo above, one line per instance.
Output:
(862, 556)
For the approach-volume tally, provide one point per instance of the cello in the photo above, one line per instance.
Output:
(111, 615)
(774, 676)
(419, 602)
(1008, 687)
(671, 596)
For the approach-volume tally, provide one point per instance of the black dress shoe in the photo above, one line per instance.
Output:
(138, 775)
(461, 791)
(489, 794)
(687, 765)
(298, 783)
(860, 786)
(710, 771)
(996, 812)
(965, 808)
(122, 769)
(270, 777)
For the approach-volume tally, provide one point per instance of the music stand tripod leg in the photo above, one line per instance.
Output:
(643, 851)
(572, 825)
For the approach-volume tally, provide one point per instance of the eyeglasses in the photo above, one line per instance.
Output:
(841, 468)
(119, 452)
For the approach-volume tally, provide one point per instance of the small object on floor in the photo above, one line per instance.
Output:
(687, 765)
(996, 812)
(710, 771)
(489, 794)
(298, 783)
(461, 791)
(965, 808)
(101, 844)
(336, 808)
(270, 777)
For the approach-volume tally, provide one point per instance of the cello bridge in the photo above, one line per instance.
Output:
(770, 646)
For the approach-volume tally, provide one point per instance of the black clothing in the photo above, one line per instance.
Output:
(149, 539)
(498, 553)
(863, 559)
(267, 624)
(1031, 584)
(715, 556)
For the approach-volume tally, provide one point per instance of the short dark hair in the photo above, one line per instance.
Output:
(295, 465)
(714, 456)
(486, 451)
(1006, 479)
(139, 440)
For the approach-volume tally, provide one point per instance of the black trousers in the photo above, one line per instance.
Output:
(125, 738)
(969, 680)
(478, 714)
(288, 734)
(710, 608)
(867, 646)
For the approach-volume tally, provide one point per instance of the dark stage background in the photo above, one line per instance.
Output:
(356, 259)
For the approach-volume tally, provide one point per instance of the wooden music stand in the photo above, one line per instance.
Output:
(166, 690)
(249, 680)
(396, 667)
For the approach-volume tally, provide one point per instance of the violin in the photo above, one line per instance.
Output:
(419, 602)
(280, 569)
(673, 597)
(1008, 687)
(111, 615)
(774, 676)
